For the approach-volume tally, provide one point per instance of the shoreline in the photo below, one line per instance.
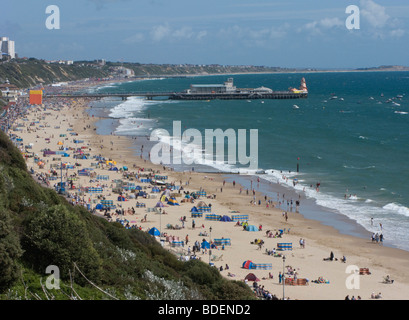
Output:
(313, 226)
(314, 231)
(308, 261)
(311, 210)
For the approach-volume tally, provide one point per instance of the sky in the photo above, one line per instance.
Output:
(287, 34)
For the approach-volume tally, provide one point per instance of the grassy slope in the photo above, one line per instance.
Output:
(39, 228)
(27, 73)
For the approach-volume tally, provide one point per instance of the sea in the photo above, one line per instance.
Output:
(343, 152)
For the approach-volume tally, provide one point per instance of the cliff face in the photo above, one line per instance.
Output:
(27, 73)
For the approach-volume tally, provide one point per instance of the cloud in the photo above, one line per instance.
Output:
(165, 32)
(251, 36)
(160, 32)
(201, 34)
(374, 14)
(183, 33)
(319, 26)
(137, 37)
(382, 25)
(398, 33)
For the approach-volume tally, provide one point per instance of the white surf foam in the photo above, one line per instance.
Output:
(397, 208)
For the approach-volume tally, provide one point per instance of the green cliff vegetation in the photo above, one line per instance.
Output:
(96, 259)
(25, 73)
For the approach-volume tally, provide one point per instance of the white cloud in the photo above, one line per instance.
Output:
(259, 37)
(374, 13)
(317, 27)
(201, 34)
(381, 24)
(160, 32)
(137, 37)
(398, 33)
(183, 33)
(331, 23)
(165, 32)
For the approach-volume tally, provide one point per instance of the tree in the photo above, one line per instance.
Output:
(59, 237)
(10, 251)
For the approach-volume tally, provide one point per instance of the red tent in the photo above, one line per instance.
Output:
(251, 277)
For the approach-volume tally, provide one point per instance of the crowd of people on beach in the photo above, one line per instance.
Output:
(191, 252)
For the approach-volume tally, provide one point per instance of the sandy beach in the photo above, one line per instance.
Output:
(66, 124)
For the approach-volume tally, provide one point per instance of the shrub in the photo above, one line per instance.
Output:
(10, 251)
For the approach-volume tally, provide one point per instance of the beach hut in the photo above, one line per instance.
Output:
(251, 277)
(225, 219)
(154, 232)
(248, 264)
(251, 228)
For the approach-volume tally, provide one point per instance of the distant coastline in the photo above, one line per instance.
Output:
(27, 73)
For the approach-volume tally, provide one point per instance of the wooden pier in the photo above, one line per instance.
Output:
(186, 96)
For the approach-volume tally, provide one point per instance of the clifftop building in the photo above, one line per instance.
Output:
(7, 47)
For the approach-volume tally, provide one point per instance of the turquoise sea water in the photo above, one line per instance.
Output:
(351, 135)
